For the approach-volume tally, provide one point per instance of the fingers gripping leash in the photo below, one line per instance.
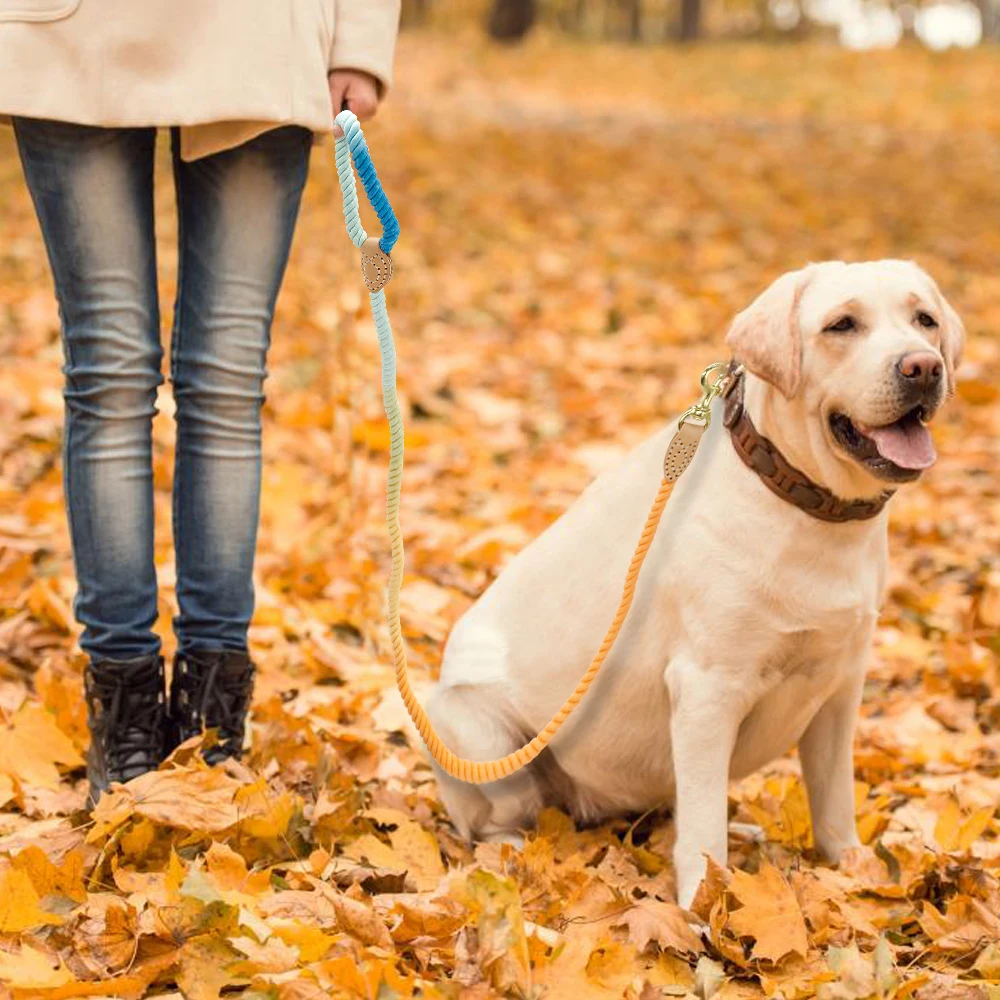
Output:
(377, 270)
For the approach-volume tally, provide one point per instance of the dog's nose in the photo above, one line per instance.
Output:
(921, 368)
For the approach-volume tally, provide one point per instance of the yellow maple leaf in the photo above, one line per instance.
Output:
(47, 878)
(273, 956)
(264, 815)
(589, 965)
(369, 849)
(312, 942)
(414, 849)
(417, 916)
(104, 936)
(137, 840)
(31, 969)
(174, 876)
(955, 831)
(8, 790)
(653, 920)
(356, 918)
(611, 965)
(501, 944)
(32, 746)
(192, 799)
(46, 605)
(769, 913)
(345, 976)
(203, 967)
(19, 904)
(228, 871)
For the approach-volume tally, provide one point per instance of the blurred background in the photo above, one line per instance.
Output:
(854, 23)
(588, 191)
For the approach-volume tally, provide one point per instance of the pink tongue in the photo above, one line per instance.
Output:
(907, 443)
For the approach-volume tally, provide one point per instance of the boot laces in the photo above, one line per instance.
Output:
(131, 721)
(218, 696)
(223, 701)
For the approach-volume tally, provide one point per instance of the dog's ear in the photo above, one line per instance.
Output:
(952, 337)
(766, 337)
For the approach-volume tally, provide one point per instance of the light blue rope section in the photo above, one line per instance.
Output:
(352, 146)
(349, 191)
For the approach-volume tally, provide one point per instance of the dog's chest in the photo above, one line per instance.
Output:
(792, 680)
(770, 619)
(781, 645)
(810, 643)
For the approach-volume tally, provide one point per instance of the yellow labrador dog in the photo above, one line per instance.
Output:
(753, 617)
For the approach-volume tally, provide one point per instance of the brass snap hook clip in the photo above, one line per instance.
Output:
(710, 387)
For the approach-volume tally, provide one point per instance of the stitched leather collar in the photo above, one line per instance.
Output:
(782, 478)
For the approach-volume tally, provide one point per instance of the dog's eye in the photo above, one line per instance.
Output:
(842, 325)
(926, 319)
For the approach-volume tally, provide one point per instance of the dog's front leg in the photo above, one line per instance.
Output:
(828, 768)
(704, 722)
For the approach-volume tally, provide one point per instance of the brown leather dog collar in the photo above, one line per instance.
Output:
(782, 478)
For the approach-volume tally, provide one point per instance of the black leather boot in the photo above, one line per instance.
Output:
(211, 689)
(127, 715)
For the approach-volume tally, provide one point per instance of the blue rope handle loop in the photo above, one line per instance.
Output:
(353, 142)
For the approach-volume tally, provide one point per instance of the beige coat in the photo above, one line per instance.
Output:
(223, 70)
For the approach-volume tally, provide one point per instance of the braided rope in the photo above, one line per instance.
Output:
(351, 145)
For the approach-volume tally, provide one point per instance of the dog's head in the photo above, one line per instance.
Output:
(855, 360)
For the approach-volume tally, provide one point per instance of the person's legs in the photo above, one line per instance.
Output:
(93, 194)
(237, 212)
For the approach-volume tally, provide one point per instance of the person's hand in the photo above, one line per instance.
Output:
(355, 90)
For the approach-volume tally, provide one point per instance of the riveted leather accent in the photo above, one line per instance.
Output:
(681, 450)
(782, 478)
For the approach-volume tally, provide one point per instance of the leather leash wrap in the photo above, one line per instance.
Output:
(780, 476)
(377, 270)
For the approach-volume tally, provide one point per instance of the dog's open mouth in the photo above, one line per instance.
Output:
(898, 452)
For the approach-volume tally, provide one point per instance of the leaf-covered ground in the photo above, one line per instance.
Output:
(578, 226)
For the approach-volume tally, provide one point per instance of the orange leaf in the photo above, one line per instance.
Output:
(769, 913)
(32, 745)
(663, 923)
(19, 904)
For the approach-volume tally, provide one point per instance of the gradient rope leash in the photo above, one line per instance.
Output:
(376, 266)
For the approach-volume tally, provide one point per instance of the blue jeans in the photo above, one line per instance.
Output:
(93, 193)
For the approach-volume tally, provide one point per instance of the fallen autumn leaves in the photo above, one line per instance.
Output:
(602, 248)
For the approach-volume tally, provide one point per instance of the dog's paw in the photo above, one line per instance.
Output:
(702, 930)
(512, 837)
(749, 832)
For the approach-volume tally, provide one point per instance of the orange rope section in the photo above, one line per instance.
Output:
(479, 771)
